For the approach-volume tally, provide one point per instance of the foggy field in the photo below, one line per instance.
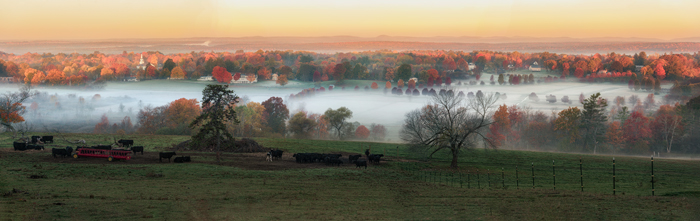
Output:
(403, 187)
(368, 107)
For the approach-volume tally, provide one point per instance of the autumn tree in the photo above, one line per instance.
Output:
(177, 73)
(218, 108)
(578, 73)
(659, 71)
(282, 80)
(450, 122)
(377, 131)
(636, 131)
(301, 126)
(375, 85)
(103, 126)
(179, 114)
(263, 73)
(339, 73)
(387, 85)
(500, 126)
(221, 75)
(11, 108)
(337, 119)
(614, 137)
(29, 75)
(276, 114)
(568, 122)
(55, 77)
(362, 132)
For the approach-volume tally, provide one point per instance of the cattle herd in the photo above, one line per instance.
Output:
(37, 143)
(329, 159)
(336, 159)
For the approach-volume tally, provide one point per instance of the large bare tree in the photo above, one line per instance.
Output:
(450, 122)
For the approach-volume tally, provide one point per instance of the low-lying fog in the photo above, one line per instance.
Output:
(368, 106)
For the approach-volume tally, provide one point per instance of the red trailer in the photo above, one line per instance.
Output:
(98, 153)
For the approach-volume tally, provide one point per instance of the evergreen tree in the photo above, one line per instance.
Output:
(593, 119)
(218, 106)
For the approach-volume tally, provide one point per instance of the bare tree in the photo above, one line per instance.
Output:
(450, 122)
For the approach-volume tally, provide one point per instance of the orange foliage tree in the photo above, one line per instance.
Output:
(374, 85)
(400, 83)
(29, 75)
(182, 112)
(55, 77)
(636, 130)
(103, 126)
(388, 84)
(282, 80)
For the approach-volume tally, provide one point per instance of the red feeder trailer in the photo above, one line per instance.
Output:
(98, 153)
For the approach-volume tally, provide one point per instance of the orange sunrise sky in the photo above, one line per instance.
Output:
(98, 19)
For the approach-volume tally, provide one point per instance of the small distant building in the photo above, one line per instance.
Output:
(471, 66)
(244, 79)
(535, 67)
(172, 78)
(132, 79)
(6, 79)
(414, 80)
(638, 68)
(274, 77)
(205, 78)
(602, 72)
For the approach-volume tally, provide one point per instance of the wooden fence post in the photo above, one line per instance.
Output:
(533, 175)
(580, 168)
(613, 176)
(652, 175)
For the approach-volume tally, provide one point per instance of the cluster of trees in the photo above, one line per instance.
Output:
(427, 66)
(598, 126)
(457, 122)
(271, 118)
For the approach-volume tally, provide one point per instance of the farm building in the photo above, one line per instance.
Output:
(244, 79)
(535, 67)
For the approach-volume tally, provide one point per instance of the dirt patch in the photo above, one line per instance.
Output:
(250, 161)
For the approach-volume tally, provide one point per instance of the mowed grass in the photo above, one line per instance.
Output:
(396, 189)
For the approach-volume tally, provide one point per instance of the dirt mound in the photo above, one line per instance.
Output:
(244, 145)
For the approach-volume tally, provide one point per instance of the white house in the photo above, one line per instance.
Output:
(471, 66)
(535, 67)
(274, 77)
(205, 78)
(244, 79)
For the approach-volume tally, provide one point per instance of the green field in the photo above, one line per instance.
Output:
(407, 187)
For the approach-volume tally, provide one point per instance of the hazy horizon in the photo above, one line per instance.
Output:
(79, 19)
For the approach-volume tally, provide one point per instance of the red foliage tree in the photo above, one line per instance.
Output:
(362, 132)
(103, 126)
(578, 73)
(221, 75)
(375, 85)
(448, 81)
(636, 128)
(659, 71)
(317, 76)
(237, 76)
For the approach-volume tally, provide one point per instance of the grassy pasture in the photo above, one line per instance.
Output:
(395, 189)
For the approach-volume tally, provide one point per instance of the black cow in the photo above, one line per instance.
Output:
(62, 152)
(35, 147)
(165, 155)
(102, 147)
(353, 158)
(20, 146)
(137, 149)
(47, 139)
(361, 163)
(179, 160)
(375, 158)
(36, 139)
(125, 143)
(367, 152)
(276, 154)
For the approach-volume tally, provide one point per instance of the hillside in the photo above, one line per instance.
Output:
(405, 185)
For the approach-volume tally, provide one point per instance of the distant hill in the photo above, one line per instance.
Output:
(331, 44)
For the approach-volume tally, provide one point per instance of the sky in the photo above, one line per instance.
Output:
(117, 19)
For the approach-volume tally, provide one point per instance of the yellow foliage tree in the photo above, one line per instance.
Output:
(177, 73)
